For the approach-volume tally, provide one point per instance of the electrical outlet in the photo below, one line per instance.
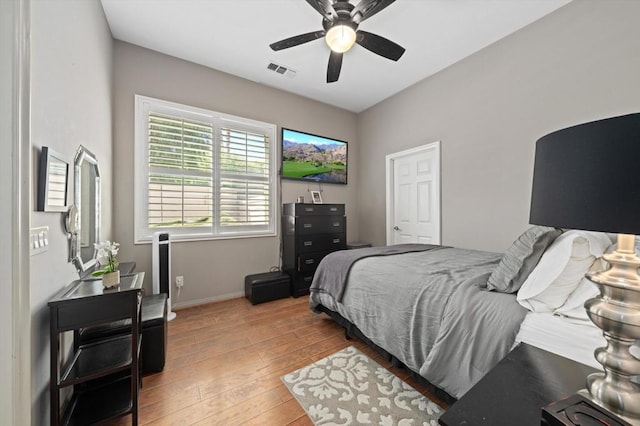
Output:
(179, 281)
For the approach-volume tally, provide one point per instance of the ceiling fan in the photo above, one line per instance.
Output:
(340, 20)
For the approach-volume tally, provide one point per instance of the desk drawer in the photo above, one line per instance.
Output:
(88, 311)
(315, 243)
(319, 224)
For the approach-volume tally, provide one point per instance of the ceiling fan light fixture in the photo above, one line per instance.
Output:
(341, 38)
(340, 23)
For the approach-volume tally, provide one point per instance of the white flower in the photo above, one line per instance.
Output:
(102, 258)
(106, 253)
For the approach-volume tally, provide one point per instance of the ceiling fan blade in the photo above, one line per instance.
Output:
(367, 8)
(296, 40)
(379, 45)
(335, 64)
(325, 8)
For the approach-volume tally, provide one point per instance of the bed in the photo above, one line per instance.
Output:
(449, 315)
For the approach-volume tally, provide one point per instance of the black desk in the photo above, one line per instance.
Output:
(514, 392)
(104, 374)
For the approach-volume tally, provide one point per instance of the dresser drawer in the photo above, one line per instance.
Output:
(306, 225)
(301, 284)
(314, 209)
(321, 242)
(308, 262)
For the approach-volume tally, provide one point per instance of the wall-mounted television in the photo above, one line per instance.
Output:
(313, 158)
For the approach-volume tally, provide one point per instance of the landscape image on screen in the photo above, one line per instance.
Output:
(310, 157)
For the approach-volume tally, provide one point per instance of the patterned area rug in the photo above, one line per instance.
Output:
(349, 388)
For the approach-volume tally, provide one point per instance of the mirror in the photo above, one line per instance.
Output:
(87, 200)
(52, 182)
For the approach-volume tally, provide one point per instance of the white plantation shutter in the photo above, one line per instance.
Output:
(201, 174)
(244, 177)
(180, 172)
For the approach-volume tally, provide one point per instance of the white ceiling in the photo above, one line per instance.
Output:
(234, 36)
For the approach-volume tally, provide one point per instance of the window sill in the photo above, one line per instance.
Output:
(177, 238)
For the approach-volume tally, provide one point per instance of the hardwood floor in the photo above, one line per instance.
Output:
(225, 361)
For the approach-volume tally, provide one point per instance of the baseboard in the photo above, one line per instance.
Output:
(183, 305)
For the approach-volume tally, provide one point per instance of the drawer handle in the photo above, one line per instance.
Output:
(309, 261)
(336, 240)
(336, 224)
(308, 209)
(333, 209)
(308, 243)
(307, 225)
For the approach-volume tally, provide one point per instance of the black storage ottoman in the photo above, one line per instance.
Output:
(267, 286)
(154, 332)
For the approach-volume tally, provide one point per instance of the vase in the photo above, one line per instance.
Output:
(111, 279)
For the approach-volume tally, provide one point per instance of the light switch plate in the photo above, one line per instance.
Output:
(38, 240)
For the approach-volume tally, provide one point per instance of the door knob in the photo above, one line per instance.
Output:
(395, 228)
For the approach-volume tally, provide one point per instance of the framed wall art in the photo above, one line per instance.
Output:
(53, 182)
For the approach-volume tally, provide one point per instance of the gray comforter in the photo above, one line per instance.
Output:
(333, 279)
(428, 309)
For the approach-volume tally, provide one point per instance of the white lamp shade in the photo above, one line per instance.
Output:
(340, 38)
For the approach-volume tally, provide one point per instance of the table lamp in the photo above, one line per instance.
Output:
(588, 177)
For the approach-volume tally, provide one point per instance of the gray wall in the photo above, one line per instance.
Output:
(215, 269)
(578, 64)
(71, 89)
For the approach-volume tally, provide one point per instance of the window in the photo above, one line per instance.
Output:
(201, 174)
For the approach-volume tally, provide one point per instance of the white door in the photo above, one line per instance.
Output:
(413, 195)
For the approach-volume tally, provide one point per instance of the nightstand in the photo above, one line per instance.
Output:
(514, 392)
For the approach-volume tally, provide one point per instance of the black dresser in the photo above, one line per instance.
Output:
(309, 233)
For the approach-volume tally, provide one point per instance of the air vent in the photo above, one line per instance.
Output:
(281, 69)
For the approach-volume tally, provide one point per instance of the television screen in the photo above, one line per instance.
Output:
(314, 158)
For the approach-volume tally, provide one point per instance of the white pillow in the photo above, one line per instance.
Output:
(561, 269)
(574, 306)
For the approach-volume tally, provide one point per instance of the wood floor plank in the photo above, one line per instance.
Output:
(284, 414)
(225, 361)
